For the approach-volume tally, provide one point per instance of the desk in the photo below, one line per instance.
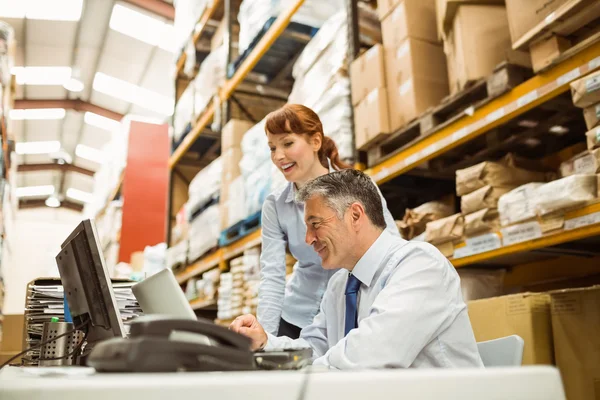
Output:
(526, 383)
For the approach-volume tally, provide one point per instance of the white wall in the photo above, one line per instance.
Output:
(33, 240)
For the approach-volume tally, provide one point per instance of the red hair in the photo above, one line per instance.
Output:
(299, 119)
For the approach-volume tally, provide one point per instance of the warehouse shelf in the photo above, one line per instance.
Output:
(231, 85)
(113, 194)
(206, 16)
(521, 99)
(578, 224)
(198, 268)
(200, 304)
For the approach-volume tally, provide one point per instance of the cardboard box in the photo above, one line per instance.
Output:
(524, 314)
(494, 174)
(593, 138)
(230, 160)
(486, 197)
(587, 162)
(137, 261)
(586, 91)
(417, 79)
(233, 132)
(474, 49)
(576, 327)
(443, 230)
(547, 50)
(523, 16)
(446, 11)
(385, 7)
(12, 333)
(372, 119)
(592, 116)
(367, 73)
(411, 18)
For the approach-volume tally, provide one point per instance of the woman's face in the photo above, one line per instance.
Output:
(295, 155)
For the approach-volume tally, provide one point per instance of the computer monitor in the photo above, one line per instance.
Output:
(87, 285)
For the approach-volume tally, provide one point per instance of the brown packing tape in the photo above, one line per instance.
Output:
(586, 91)
(445, 230)
(482, 221)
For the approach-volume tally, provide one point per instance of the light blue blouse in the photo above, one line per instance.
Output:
(282, 227)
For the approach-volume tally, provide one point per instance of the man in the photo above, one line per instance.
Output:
(393, 303)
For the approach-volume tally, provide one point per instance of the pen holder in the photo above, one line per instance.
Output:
(61, 351)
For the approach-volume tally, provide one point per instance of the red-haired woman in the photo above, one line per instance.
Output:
(302, 152)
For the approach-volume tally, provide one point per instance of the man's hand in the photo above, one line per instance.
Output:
(248, 326)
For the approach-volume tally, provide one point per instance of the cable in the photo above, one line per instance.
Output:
(304, 384)
(42, 343)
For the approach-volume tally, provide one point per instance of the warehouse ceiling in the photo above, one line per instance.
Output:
(107, 61)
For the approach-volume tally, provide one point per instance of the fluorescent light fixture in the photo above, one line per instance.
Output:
(56, 10)
(37, 113)
(57, 75)
(101, 122)
(79, 195)
(142, 27)
(90, 153)
(133, 94)
(559, 130)
(31, 191)
(42, 147)
(73, 85)
(52, 202)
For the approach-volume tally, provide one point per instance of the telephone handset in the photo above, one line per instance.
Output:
(169, 345)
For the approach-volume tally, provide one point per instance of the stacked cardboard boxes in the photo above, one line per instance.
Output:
(231, 202)
(586, 95)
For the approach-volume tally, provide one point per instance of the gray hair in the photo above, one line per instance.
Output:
(341, 189)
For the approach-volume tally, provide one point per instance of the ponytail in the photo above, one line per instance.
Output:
(330, 151)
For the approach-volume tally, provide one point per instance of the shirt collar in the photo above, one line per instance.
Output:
(291, 196)
(371, 261)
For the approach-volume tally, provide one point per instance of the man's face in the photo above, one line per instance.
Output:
(331, 237)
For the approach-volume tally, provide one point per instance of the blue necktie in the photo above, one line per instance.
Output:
(352, 287)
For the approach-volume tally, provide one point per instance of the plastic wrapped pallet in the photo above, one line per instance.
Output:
(322, 65)
(256, 168)
(482, 221)
(254, 14)
(205, 186)
(486, 197)
(210, 77)
(6, 48)
(593, 138)
(587, 162)
(414, 222)
(586, 91)
(445, 230)
(204, 232)
(494, 174)
(516, 205)
(184, 112)
(187, 14)
(177, 255)
(572, 191)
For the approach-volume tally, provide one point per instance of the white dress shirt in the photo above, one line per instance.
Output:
(283, 227)
(410, 313)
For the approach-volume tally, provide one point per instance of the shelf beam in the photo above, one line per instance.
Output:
(69, 104)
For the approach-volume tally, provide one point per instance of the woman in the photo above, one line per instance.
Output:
(301, 151)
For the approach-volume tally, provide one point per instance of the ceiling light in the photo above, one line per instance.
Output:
(61, 10)
(41, 75)
(42, 147)
(52, 201)
(133, 94)
(89, 153)
(37, 113)
(559, 130)
(31, 191)
(79, 195)
(526, 123)
(73, 85)
(101, 122)
(142, 27)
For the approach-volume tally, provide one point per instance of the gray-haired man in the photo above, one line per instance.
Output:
(394, 303)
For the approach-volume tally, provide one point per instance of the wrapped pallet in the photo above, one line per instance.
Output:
(482, 221)
(587, 162)
(444, 230)
(184, 113)
(254, 14)
(486, 197)
(187, 14)
(565, 193)
(517, 205)
(204, 187)
(415, 220)
(205, 229)
(494, 174)
(321, 82)
(210, 77)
